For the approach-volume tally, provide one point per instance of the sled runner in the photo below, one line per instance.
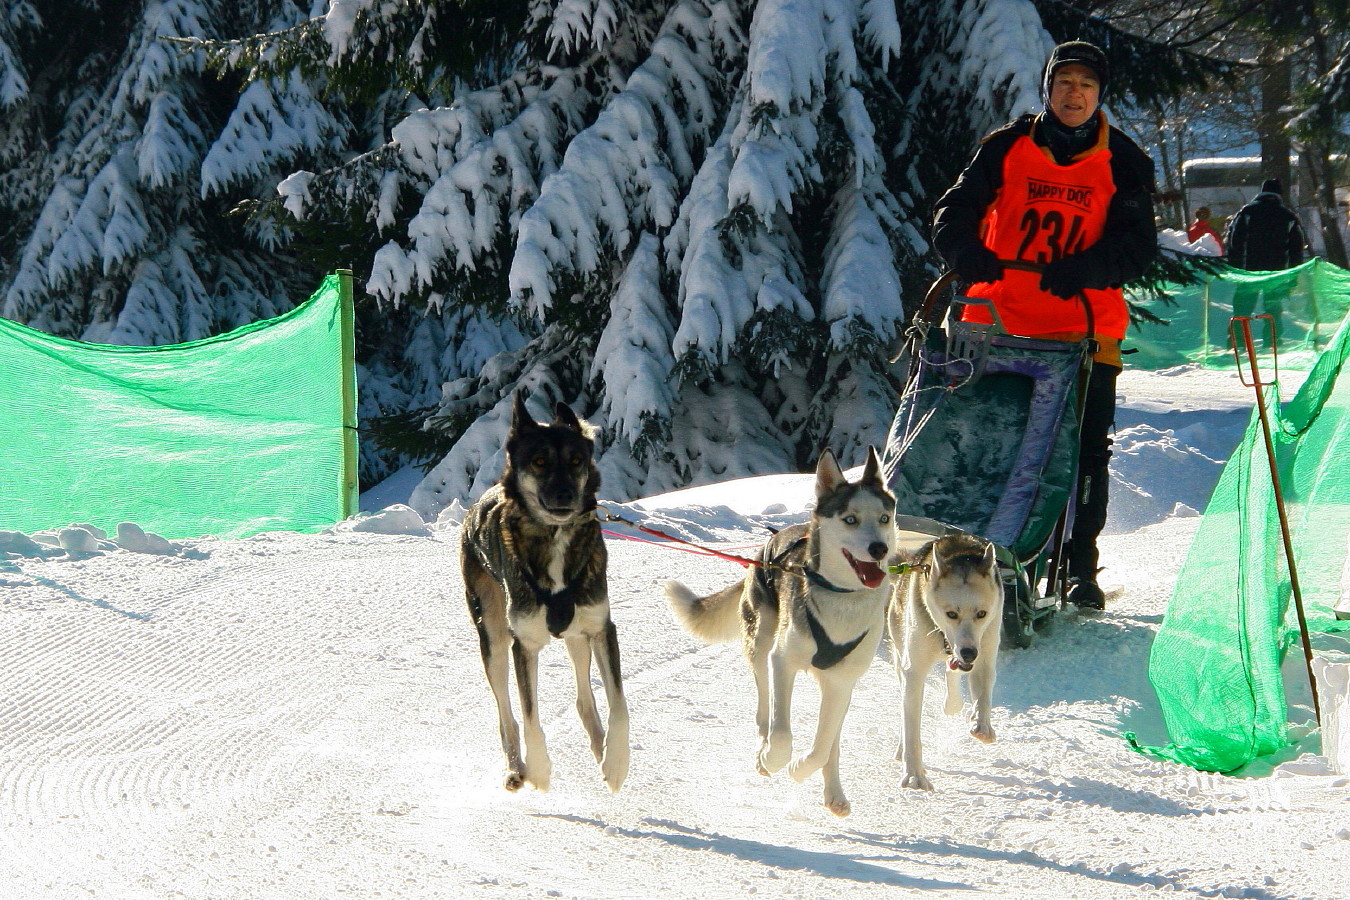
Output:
(985, 441)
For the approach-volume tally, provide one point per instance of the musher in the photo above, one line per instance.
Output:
(1066, 189)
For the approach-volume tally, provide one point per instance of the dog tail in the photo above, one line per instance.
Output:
(713, 618)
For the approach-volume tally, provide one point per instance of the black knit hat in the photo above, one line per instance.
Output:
(1082, 53)
(1272, 186)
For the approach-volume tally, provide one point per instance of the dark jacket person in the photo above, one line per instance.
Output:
(1264, 235)
(1065, 189)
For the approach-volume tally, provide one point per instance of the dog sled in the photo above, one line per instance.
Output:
(985, 441)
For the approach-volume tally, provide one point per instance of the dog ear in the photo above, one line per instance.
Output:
(563, 415)
(872, 471)
(521, 420)
(828, 474)
(991, 557)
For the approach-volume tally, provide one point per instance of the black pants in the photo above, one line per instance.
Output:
(1094, 471)
(1273, 292)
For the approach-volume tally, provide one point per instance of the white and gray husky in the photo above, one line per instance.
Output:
(949, 605)
(815, 601)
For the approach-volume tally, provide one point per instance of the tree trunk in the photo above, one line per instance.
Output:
(1173, 211)
(1275, 78)
(1322, 176)
(1322, 170)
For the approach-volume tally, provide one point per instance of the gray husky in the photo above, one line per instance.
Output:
(534, 569)
(815, 601)
(948, 605)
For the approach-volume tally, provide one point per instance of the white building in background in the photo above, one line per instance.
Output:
(1225, 183)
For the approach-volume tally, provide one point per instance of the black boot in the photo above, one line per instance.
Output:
(1082, 590)
(1081, 549)
(1085, 594)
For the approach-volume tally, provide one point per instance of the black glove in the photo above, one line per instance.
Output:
(977, 263)
(1066, 277)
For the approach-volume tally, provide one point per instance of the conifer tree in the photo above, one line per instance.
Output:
(699, 222)
(117, 233)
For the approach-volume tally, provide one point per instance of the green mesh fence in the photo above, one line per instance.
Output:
(1215, 663)
(1308, 303)
(244, 432)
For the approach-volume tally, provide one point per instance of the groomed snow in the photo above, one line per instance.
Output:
(305, 716)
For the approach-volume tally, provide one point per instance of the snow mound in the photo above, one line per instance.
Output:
(1142, 450)
(82, 540)
(398, 518)
(1172, 239)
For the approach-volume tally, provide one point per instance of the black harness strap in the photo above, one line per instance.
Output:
(828, 653)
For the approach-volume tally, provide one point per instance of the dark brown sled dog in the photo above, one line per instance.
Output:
(534, 569)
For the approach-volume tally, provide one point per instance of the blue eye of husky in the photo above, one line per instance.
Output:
(884, 519)
(850, 520)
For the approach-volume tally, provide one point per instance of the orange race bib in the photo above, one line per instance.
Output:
(1043, 212)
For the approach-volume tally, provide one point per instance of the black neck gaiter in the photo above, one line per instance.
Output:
(1064, 142)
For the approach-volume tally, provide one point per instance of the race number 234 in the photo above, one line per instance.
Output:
(1050, 235)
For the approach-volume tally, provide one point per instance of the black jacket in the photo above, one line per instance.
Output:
(1265, 236)
(1129, 242)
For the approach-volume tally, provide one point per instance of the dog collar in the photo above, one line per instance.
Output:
(821, 581)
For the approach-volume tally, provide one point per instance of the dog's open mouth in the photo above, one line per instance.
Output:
(868, 572)
(957, 664)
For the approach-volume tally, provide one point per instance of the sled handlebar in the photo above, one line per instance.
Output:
(946, 279)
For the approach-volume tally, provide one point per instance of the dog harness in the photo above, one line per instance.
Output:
(810, 575)
(828, 653)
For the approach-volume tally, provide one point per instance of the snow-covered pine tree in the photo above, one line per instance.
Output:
(121, 158)
(697, 221)
(694, 220)
(673, 215)
(115, 230)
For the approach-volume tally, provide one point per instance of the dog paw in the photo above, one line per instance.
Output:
(803, 767)
(538, 777)
(513, 781)
(983, 735)
(917, 781)
(614, 768)
(773, 757)
(839, 806)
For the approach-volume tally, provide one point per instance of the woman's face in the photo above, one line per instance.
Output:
(1074, 91)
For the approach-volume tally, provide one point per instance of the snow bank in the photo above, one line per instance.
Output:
(1333, 695)
(83, 540)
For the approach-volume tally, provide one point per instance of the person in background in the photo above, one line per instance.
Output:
(1264, 236)
(1064, 189)
(1201, 227)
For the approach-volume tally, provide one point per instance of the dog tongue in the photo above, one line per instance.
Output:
(868, 572)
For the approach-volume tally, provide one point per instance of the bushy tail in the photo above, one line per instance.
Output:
(713, 618)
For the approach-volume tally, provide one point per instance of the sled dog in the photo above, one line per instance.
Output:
(815, 600)
(534, 569)
(948, 605)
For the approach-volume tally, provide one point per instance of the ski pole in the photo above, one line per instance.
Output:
(1245, 324)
